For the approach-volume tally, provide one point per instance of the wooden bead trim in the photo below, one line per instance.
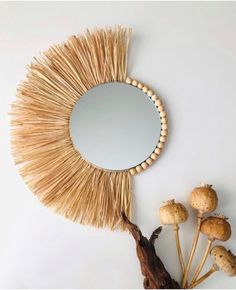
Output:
(164, 126)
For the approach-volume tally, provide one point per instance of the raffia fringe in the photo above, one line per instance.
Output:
(40, 138)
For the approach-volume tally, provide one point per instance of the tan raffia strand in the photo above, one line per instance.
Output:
(41, 144)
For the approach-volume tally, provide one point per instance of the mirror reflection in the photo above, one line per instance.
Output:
(115, 126)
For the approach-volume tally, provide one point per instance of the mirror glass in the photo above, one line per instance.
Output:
(115, 126)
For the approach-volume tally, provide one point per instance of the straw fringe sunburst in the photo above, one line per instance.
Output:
(41, 143)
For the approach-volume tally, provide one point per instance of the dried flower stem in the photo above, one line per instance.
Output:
(213, 269)
(203, 260)
(193, 249)
(181, 260)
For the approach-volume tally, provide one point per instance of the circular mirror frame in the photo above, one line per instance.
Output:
(40, 137)
(164, 126)
(163, 132)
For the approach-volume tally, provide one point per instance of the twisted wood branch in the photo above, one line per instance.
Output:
(155, 274)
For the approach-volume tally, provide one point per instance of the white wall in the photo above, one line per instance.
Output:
(187, 52)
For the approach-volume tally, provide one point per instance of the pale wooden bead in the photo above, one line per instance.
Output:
(138, 168)
(132, 171)
(160, 108)
(164, 126)
(154, 98)
(150, 93)
(145, 89)
(163, 132)
(158, 103)
(149, 161)
(144, 165)
(154, 156)
(157, 151)
(164, 120)
(128, 80)
(163, 139)
(160, 145)
(134, 83)
(140, 86)
(163, 114)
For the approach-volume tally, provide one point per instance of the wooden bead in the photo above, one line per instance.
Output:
(164, 126)
(145, 89)
(140, 86)
(158, 103)
(138, 168)
(163, 132)
(163, 114)
(132, 171)
(149, 161)
(163, 139)
(164, 120)
(157, 151)
(128, 80)
(149, 93)
(154, 98)
(144, 165)
(154, 156)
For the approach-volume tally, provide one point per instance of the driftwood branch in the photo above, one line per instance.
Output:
(153, 270)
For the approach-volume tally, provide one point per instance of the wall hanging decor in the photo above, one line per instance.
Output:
(81, 127)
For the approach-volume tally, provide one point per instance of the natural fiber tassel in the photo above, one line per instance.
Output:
(41, 143)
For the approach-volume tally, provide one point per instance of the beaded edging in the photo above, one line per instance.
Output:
(164, 126)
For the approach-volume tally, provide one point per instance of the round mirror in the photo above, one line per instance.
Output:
(115, 126)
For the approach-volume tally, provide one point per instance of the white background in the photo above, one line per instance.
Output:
(185, 51)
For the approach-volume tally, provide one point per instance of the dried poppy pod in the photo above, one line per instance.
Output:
(216, 228)
(204, 198)
(224, 259)
(172, 213)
